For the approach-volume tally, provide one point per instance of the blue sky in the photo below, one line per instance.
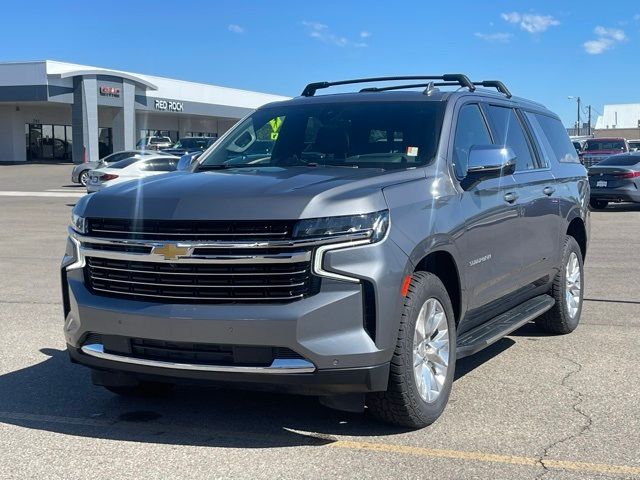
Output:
(543, 50)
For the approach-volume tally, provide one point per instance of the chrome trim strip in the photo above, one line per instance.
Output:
(197, 274)
(365, 234)
(133, 282)
(228, 299)
(256, 234)
(278, 366)
(272, 258)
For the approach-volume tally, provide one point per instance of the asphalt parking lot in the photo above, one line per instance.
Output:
(531, 406)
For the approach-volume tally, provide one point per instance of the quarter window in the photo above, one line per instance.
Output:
(509, 132)
(471, 130)
(558, 139)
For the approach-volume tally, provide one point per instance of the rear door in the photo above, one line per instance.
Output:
(492, 242)
(539, 222)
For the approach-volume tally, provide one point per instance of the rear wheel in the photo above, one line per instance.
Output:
(84, 177)
(423, 363)
(143, 389)
(598, 204)
(567, 291)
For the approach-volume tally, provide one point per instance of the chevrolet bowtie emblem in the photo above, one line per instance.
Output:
(170, 251)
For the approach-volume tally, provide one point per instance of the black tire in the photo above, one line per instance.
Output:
(142, 390)
(557, 320)
(84, 177)
(598, 204)
(402, 404)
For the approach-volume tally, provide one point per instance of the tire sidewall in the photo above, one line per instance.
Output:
(571, 246)
(431, 288)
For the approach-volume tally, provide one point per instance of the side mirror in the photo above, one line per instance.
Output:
(186, 161)
(489, 161)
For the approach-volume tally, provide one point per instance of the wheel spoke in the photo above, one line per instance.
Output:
(431, 350)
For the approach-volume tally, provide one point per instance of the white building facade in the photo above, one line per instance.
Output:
(619, 120)
(54, 111)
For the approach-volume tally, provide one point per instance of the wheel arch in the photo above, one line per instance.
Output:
(578, 231)
(443, 265)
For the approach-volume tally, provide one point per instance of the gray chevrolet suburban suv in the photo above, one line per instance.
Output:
(351, 246)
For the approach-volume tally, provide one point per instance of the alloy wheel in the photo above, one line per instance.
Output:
(572, 285)
(431, 350)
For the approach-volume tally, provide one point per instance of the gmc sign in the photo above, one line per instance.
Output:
(109, 91)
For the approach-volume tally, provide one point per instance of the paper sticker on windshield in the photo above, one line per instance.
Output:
(412, 151)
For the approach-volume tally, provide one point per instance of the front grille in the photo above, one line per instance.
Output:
(200, 282)
(179, 230)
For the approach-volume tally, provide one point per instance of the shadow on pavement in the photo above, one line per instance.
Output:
(58, 396)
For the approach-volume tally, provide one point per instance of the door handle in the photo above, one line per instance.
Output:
(548, 191)
(510, 197)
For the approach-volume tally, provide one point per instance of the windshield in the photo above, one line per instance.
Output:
(155, 140)
(376, 135)
(621, 160)
(197, 142)
(604, 145)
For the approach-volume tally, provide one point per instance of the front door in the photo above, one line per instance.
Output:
(491, 241)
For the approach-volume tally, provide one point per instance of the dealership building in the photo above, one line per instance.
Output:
(54, 111)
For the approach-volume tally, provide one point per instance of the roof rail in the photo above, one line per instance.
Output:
(457, 79)
(497, 84)
(428, 86)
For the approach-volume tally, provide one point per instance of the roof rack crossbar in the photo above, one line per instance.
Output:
(458, 78)
(497, 84)
(410, 85)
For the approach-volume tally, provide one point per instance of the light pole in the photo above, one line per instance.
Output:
(577, 124)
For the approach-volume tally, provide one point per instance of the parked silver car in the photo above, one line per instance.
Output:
(80, 172)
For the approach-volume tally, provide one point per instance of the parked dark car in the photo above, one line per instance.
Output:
(189, 145)
(597, 149)
(381, 235)
(615, 179)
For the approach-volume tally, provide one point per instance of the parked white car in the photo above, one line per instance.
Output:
(130, 169)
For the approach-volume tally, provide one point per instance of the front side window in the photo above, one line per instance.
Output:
(471, 130)
(509, 132)
(360, 134)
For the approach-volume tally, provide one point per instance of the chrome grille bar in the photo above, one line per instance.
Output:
(228, 299)
(178, 285)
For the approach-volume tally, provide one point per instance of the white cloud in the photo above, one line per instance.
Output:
(323, 33)
(606, 39)
(236, 28)
(498, 37)
(530, 22)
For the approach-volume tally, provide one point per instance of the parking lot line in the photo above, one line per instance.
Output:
(41, 194)
(470, 456)
(582, 467)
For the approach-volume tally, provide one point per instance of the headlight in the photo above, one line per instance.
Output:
(375, 223)
(78, 223)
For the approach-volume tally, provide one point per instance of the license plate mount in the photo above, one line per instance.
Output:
(601, 183)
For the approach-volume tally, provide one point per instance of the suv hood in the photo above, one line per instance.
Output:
(260, 193)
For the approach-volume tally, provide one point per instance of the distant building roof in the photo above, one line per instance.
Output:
(622, 115)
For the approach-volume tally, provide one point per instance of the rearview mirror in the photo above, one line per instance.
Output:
(489, 161)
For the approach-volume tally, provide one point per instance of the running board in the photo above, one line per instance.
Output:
(490, 332)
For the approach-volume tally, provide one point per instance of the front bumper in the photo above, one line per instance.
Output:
(326, 329)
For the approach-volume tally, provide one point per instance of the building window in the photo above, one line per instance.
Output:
(48, 142)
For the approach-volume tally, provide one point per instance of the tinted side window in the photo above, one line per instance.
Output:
(508, 132)
(558, 138)
(471, 130)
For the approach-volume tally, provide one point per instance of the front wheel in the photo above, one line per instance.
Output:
(424, 360)
(598, 204)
